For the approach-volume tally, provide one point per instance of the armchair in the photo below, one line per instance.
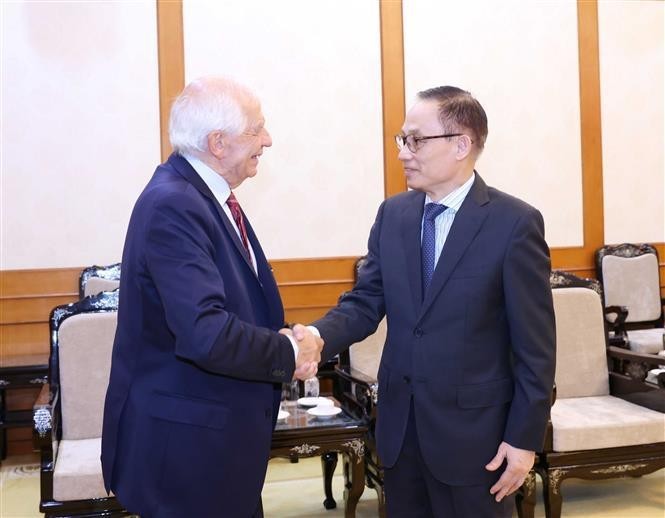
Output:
(630, 277)
(594, 433)
(68, 413)
(95, 279)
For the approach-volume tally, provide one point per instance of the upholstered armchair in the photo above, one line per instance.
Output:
(629, 274)
(68, 413)
(594, 433)
(95, 279)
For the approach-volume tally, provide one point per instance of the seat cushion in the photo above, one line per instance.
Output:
(365, 356)
(633, 282)
(591, 423)
(85, 343)
(78, 470)
(581, 355)
(647, 341)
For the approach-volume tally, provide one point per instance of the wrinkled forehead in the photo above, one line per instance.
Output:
(252, 109)
(422, 117)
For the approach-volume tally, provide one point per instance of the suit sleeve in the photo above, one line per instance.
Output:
(180, 259)
(359, 312)
(530, 314)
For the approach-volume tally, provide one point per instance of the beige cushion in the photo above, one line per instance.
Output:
(95, 285)
(581, 365)
(85, 343)
(78, 471)
(647, 341)
(365, 356)
(590, 423)
(633, 282)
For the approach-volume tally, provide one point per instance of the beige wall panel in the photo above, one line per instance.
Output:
(631, 85)
(520, 59)
(316, 67)
(80, 128)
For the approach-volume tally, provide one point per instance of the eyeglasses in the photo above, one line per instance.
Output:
(413, 143)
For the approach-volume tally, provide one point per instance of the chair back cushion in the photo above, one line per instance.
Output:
(581, 364)
(95, 285)
(85, 342)
(633, 282)
(365, 356)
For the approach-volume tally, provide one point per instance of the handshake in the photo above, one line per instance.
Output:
(309, 351)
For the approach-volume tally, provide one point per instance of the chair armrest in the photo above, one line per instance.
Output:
(361, 392)
(623, 354)
(43, 417)
(354, 376)
(617, 325)
(628, 370)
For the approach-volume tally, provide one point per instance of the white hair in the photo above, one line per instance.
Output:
(208, 104)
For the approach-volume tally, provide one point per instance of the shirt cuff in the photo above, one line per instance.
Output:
(314, 330)
(294, 344)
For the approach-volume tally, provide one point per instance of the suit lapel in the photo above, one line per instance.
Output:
(468, 221)
(411, 223)
(187, 171)
(266, 280)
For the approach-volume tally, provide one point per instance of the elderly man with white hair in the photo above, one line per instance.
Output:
(199, 354)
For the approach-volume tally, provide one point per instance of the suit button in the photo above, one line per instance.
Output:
(278, 373)
(417, 332)
(407, 379)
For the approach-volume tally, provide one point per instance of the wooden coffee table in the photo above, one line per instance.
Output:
(303, 435)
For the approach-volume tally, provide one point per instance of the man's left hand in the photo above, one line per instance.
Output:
(519, 464)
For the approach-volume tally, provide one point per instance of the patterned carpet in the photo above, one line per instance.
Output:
(296, 491)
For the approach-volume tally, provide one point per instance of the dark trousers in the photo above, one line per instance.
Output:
(413, 492)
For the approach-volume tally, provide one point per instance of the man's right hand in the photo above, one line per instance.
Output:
(309, 351)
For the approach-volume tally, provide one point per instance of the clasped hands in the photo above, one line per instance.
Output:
(309, 351)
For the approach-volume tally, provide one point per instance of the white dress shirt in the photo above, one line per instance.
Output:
(221, 191)
(444, 221)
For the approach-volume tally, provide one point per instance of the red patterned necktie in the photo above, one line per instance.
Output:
(233, 204)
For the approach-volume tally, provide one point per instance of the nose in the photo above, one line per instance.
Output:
(266, 139)
(404, 154)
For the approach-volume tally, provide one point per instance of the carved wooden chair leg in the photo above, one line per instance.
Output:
(328, 464)
(552, 492)
(525, 498)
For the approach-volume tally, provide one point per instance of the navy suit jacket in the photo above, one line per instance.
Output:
(197, 365)
(476, 355)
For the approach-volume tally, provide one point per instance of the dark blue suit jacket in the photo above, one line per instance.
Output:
(197, 364)
(477, 354)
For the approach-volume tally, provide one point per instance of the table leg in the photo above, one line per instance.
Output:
(354, 482)
(328, 464)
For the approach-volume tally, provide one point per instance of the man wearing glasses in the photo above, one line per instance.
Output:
(461, 271)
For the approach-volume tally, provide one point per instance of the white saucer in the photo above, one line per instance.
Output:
(315, 401)
(324, 412)
(282, 415)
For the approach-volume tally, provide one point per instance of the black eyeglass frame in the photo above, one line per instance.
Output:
(401, 140)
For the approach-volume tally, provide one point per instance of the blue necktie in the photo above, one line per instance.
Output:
(432, 210)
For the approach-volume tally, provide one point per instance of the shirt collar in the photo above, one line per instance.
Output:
(219, 187)
(454, 200)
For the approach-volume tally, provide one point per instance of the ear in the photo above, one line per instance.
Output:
(464, 147)
(216, 144)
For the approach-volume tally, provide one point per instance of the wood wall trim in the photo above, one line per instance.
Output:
(171, 59)
(392, 81)
(591, 127)
(309, 287)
